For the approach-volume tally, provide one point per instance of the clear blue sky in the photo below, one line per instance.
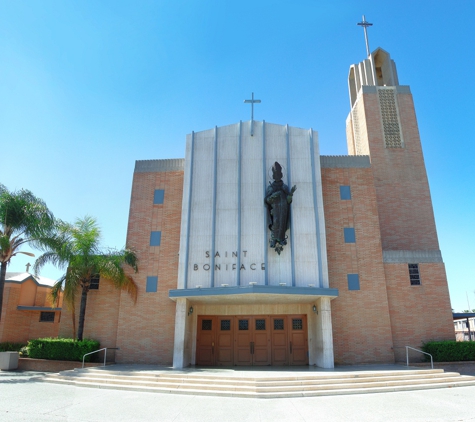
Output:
(88, 87)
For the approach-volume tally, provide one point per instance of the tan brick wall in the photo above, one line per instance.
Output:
(102, 310)
(20, 326)
(402, 189)
(418, 313)
(146, 329)
(406, 219)
(360, 319)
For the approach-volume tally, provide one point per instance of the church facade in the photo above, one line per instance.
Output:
(355, 277)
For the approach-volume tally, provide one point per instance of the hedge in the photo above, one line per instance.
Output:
(11, 347)
(62, 349)
(450, 351)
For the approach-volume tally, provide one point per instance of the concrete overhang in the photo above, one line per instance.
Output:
(462, 315)
(38, 308)
(257, 294)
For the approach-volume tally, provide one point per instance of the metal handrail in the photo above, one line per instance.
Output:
(420, 351)
(99, 350)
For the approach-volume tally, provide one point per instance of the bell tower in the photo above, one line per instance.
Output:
(382, 124)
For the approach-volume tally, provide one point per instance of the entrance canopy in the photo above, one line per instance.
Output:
(253, 294)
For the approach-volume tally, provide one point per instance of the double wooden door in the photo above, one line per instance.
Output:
(252, 340)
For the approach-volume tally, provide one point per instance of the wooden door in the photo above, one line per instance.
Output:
(243, 340)
(298, 340)
(225, 341)
(261, 346)
(205, 342)
(280, 340)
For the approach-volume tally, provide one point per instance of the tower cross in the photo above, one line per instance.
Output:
(28, 267)
(252, 101)
(365, 24)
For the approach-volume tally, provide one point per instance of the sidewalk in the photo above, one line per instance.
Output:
(24, 399)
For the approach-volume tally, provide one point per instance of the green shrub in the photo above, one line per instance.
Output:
(11, 347)
(450, 351)
(62, 349)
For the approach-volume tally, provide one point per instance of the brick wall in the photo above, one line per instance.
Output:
(360, 319)
(406, 220)
(418, 313)
(402, 189)
(146, 330)
(20, 326)
(102, 310)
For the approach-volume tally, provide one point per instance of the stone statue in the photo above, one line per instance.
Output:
(278, 199)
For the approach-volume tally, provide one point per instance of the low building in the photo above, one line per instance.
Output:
(28, 312)
(464, 325)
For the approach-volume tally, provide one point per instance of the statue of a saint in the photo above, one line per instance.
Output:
(278, 199)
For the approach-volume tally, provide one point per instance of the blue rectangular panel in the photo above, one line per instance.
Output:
(353, 281)
(158, 196)
(345, 192)
(155, 238)
(152, 284)
(349, 233)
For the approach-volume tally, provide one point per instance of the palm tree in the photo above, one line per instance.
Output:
(24, 218)
(76, 248)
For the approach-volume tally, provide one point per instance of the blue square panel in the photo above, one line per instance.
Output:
(155, 238)
(353, 281)
(349, 233)
(345, 192)
(152, 284)
(158, 196)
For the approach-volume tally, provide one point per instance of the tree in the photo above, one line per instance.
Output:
(76, 248)
(24, 218)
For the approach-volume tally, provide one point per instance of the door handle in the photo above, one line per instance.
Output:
(290, 347)
(212, 348)
(251, 347)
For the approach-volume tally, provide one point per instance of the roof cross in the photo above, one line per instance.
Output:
(365, 24)
(28, 267)
(252, 101)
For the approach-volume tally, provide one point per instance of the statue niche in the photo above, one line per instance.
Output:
(277, 200)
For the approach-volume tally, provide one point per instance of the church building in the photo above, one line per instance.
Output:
(256, 250)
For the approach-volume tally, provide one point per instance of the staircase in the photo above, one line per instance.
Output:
(260, 384)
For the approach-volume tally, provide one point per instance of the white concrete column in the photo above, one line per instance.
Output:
(313, 338)
(324, 355)
(181, 356)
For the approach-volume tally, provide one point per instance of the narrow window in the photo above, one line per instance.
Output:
(152, 284)
(158, 196)
(47, 317)
(349, 233)
(297, 324)
(353, 281)
(345, 192)
(94, 283)
(225, 325)
(155, 238)
(243, 325)
(207, 324)
(414, 275)
(260, 324)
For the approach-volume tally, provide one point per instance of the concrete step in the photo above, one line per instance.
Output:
(91, 376)
(245, 385)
